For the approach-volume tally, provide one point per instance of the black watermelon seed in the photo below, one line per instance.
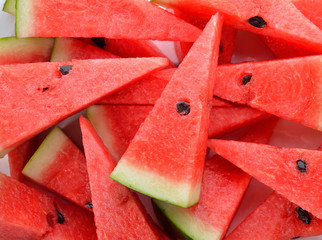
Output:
(257, 22)
(183, 108)
(246, 79)
(89, 205)
(99, 42)
(65, 69)
(61, 218)
(45, 89)
(296, 237)
(301, 165)
(303, 215)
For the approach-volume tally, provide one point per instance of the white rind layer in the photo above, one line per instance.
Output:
(24, 19)
(158, 187)
(187, 223)
(45, 155)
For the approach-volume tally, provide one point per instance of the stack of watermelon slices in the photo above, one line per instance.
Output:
(150, 121)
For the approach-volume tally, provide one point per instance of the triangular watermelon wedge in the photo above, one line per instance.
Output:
(294, 173)
(129, 19)
(276, 18)
(118, 213)
(166, 157)
(27, 50)
(36, 96)
(67, 49)
(222, 189)
(277, 218)
(290, 88)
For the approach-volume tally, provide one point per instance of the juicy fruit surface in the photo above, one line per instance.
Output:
(27, 50)
(167, 147)
(67, 49)
(294, 91)
(276, 218)
(277, 168)
(44, 92)
(111, 19)
(60, 166)
(118, 214)
(281, 18)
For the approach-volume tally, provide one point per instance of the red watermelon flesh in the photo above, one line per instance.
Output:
(77, 223)
(295, 173)
(118, 214)
(67, 49)
(222, 189)
(276, 18)
(172, 135)
(129, 19)
(60, 166)
(227, 43)
(277, 218)
(311, 9)
(25, 213)
(27, 50)
(290, 89)
(47, 96)
(284, 50)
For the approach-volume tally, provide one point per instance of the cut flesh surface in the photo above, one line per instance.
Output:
(129, 19)
(47, 96)
(276, 18)
(222, 189)
(278, 168)
(293, 92)
(166, 157)
(118, 214)
(67, 49)
(277, 218)
(27, 50)
(60, 166)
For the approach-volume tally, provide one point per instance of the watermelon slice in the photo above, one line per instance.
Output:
(118, 214)
(294, 89)
(67, 49)
(47, 96)
(276, 18)
(130, 19)
(10, 7)
(222, 189)
(277, 218)
(294, 173)
(166, 157)
(60, 166)
(27, 50)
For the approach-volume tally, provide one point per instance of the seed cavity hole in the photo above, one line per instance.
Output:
(60, 218)
(183, 108)
(89, 205)
(99, 42)
(296, 237)
(246, 79)
(257, 22)
(301, 165)
(65, 69)
(303, 215)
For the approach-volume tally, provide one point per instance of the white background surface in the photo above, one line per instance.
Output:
(287, 134)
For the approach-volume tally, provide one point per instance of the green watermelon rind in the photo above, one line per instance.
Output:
(21, 45)
(157, 187)
(185, 225)
(10, 7)
(45, 155)
(23, 13)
